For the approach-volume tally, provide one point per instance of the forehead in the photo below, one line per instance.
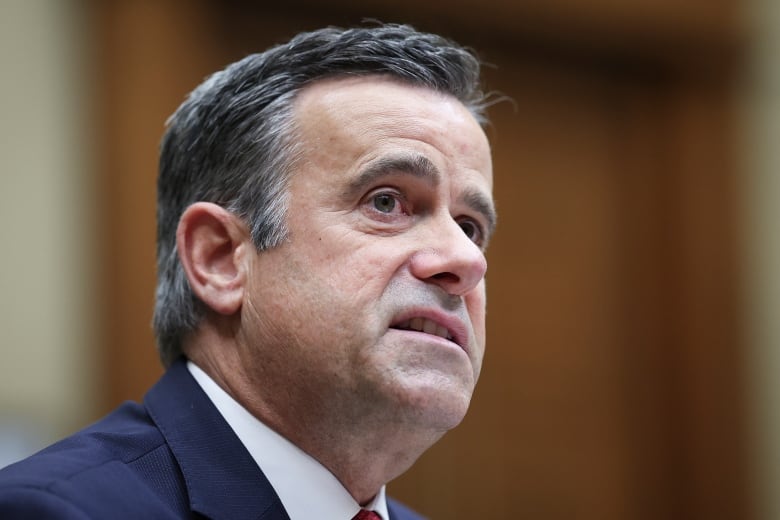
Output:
(362, 117)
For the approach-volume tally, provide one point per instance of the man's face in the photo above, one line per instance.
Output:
(375, 306)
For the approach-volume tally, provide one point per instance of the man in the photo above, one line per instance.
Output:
(323, 212)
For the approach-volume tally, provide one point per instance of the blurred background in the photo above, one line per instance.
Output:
(634, 283)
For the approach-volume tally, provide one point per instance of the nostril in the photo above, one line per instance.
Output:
(446, 277)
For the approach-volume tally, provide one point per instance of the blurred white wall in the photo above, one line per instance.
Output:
(761, 147)
(46, 231)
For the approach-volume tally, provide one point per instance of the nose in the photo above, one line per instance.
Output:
(449, 259)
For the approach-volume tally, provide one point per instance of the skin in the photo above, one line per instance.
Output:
(390, 211)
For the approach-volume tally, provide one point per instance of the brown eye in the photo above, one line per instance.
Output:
(384, 203)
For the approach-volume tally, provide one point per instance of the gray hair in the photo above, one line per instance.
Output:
(232, 142)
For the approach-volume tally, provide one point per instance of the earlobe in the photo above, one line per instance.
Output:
(211, 242)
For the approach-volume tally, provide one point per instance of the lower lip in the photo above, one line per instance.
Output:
(418, 335)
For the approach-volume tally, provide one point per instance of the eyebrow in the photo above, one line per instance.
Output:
(421, 167)
(414, 164)
(477, 201)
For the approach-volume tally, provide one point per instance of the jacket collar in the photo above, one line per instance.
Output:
(222, 479)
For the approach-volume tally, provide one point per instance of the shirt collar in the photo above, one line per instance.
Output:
(306, 488)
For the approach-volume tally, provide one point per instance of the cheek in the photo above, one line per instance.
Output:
(475, 303)
(363, 273)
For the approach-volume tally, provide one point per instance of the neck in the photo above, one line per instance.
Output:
(364, 449)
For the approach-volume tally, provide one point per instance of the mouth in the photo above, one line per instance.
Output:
(425, 325)
(436, 323)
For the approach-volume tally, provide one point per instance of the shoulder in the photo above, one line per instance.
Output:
(121, 437)
(28, 502)
(399, 511)
(107, 468)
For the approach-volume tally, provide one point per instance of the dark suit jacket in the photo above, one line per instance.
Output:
(172, 457)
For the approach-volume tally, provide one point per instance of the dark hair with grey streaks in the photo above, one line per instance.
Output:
(232, 142)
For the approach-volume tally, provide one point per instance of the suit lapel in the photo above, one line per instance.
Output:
(398, 511)
(223, 481)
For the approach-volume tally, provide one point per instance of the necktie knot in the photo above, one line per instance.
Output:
(365, 514)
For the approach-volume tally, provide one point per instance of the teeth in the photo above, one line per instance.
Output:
(441, 331)
(427, 326)
(416, 324)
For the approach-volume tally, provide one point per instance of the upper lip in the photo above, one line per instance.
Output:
(457, 330)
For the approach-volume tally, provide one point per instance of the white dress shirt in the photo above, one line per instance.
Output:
(306, 488)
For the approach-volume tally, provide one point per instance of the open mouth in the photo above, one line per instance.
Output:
(424, 325)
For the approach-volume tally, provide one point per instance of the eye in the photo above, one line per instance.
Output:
(384, 202)
(472, 230)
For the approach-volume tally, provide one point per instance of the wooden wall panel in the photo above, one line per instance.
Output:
(150, 54)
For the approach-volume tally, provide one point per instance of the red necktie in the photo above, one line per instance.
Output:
(365, 514)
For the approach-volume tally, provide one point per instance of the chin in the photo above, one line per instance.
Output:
(437, 407)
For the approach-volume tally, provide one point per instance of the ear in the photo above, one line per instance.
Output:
(212, 243)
